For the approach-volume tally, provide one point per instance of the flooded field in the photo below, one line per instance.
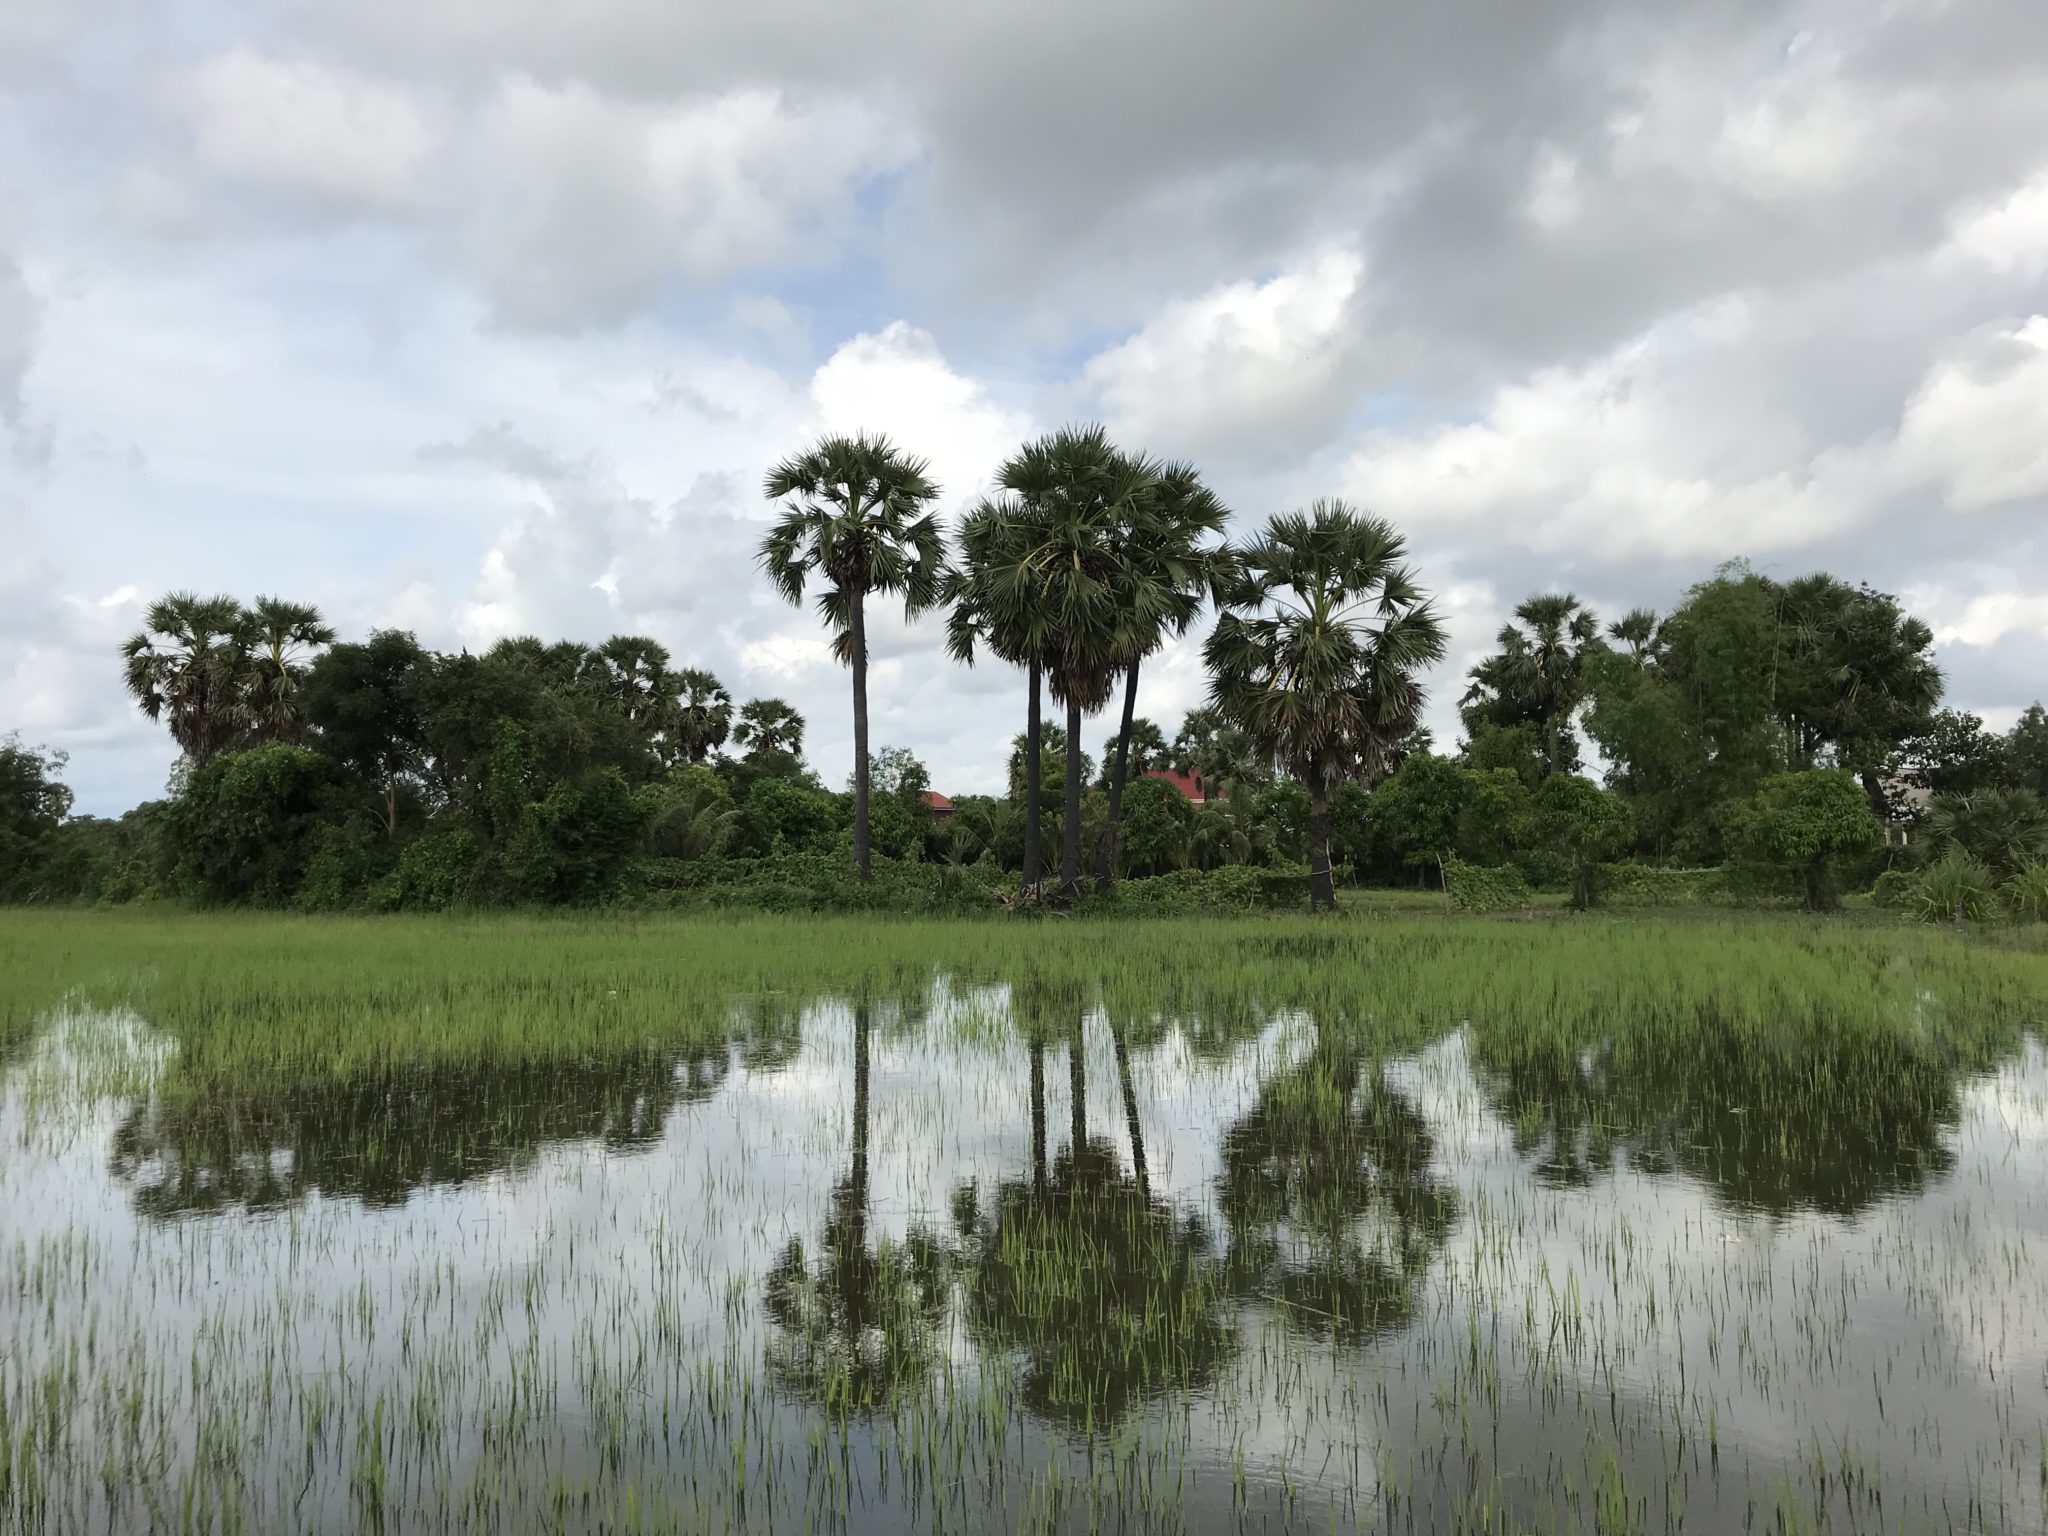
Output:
(1229, 1226)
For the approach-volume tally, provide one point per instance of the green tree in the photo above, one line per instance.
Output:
(1073, 499)
(276, 637)
(185, 667)
(1575, 817)
(1417, 813)
(34, 803)
(769, 728)
(248, 823)
(1146, 750)
(690, 814)
(1159, 824)
(363, 701)
(1954, 755)
(1803, 822)
(855, 518)
(1172, 561)
(1222, 753)
(2025, 758)
(703, 713)
(1538, 677)
(1315, 654)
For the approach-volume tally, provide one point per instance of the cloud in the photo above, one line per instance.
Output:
(2011, 234)
(1245, 368)
(304, 128)
(1978, 426)
(587, 205)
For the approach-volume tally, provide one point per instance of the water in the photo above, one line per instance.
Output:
(920, 1265)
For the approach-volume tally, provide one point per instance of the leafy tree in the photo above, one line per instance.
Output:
(363, 702)
(1803, 822)
(1052, 762)
(185, 668)
(769, 727)
(1538, 677)
(1222, 753)
(1578, 819)
(900, 775)
(784, 817)
(1158, 827)
(1418, 813)
(572, 842)
(276, 635)
(690, 814)
(1315, 654)
(856, 519)
(1227, 832)
(34, 802)
(1954, 755)
(2025, 764)
(247, 824)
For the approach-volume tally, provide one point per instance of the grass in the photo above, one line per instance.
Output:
(1393, 1220)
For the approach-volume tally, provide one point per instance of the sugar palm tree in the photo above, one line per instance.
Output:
(1074, 496)
(186, 667)
(770, 727)
(277, 637)
(703, 713)
(1539, 674)
(1316, 651)
(1145, 749)
(1172, 562)
(854, 516)
(995, 600)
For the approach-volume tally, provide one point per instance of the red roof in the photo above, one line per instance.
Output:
(1189, 784)
(940, 805)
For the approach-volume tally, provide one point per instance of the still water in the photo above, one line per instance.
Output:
(948, 1262)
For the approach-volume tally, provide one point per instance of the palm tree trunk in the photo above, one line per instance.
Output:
(1034, 855)
(1070, 840)
(1077, 1095)
(1132, 1124)
(1038, 1114)
(858, 631)
(1322, 890)
(1106, 862)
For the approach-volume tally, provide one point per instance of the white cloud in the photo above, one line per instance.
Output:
(2010, 235)
(1243, 366)
(304, 127)
(588, 205)
(19, 318)
(1978, 425)
(1991, 616)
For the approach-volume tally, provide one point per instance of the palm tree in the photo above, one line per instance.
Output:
(1636, 629)
(277, 636)
(994, 599)
(770, 728)
(1539, 674)
(703, 713)
(1316, 651)
(1145, 749)
(1075, 496)
(186, 667)
(635, 673)
(855, 516)
(1170, 569)
(2002, 829)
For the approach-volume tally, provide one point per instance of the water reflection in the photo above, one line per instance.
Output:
(1830, 1121)
(1334, 1208)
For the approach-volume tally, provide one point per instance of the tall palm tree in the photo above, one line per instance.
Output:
(770, 727)
(855, 517)
(1075, 494)
(995, 600)
(703, 713)
(277, 637)
(186, 667)
(1145, 749)
(1539, 674)
(1316, 651)
(1170, 568)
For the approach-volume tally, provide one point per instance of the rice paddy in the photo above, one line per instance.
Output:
(1389, 1222)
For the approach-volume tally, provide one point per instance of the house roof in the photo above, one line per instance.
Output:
(1189, 784)
(935, 800)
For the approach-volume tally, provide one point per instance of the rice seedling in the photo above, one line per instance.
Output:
(1387, 1222)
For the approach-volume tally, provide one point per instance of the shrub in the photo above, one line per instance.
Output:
(1892, 890)
(1955, 887)
(1801, 824)
(438, 870)
(2026, 892)
(1656, 885)
(1484, 887)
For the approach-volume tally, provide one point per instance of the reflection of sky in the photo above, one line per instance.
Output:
(546, 1285)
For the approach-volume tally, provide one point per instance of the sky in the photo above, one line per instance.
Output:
(487, 317)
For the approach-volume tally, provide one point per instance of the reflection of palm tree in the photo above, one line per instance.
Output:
(1104, 1295)
(1334, 1213)
(1830, 1122)
(859, 1323)
(380, 1137)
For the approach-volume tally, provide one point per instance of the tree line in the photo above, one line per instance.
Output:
(1779, 726)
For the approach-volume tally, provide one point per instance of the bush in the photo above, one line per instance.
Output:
(1893, 890)
(1655, 885)
(1484, 887)
(438, 870)
(2026, 893)
(1953, 886)
(247, 824)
